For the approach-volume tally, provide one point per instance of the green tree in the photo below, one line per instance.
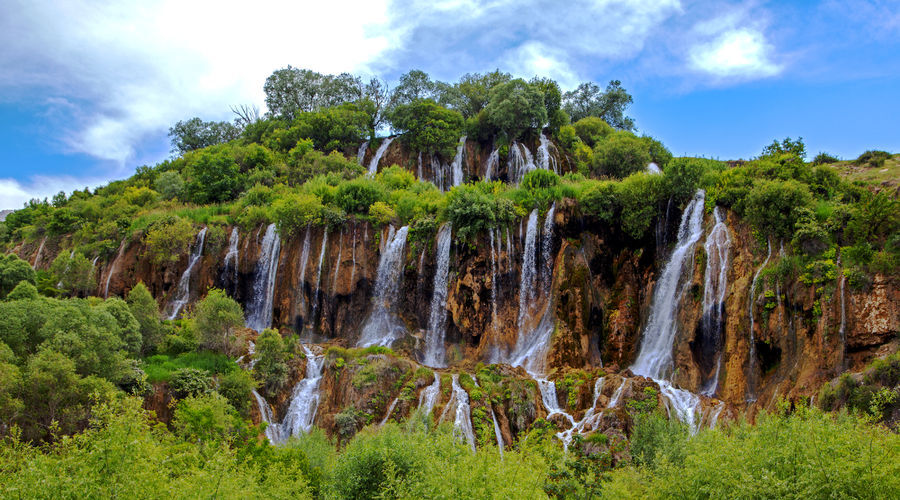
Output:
(129, 327)
(474, 91)
(193, 134)
(295, 211)
(475, 208)
(356, 196)
(773, 206)
(168, 239)
(146, 311)
(334, 129)
(169, 184)
(620, 155)
(207, 418)
(293, 90)
(271, 367)
(217, 318)
(212, 176)
(237, 386)
(592, 130)
(12, 271)
(552, 101)
(610, 105)
(74, 272)
(516, 106)
(428, 126)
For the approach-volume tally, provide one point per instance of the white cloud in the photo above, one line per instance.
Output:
(13, 194)
(535, 58)
(132, 69)
(740, 53)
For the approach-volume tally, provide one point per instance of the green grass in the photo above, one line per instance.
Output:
(888, 172)
(159, 368)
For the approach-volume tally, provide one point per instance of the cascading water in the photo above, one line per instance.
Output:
(39, 253)
(390, 410)
(497, 433)
(317, 291)
(545, 160)
(653, 168)
(113, 267)
(751, 376)
(361, 152)
(655, 357)
(337, 265)
(718, 245)
(230, 268)
(588, 422)
(494, 283)
(382, 327)
(457, 166)
(419, 167)
(493, 163)
(520, 162)
(301, 412)
(259, 308)
(265, 414)
(373, 165)
(301, 279)
(462, 420)
(353, 257)
(529, 271)
(183, 293)
(547, 249)
(435, 354)
(429, 396)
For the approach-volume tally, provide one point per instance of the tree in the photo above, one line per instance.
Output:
(473, 91)
(196, 134)
(620, 155)
(774, 206)
(212, 177)
(237, 387)
(217, 318)
(12, 271)
(169, 184)
(129, 328)
(413, 86)
(74, 273)
(516, 106)
(428, 126)
(146, 311)
(167, 239)
(588, 100)
(552, 102)
(592, 130)
(290, 91)
(336, 128)
(271, 367)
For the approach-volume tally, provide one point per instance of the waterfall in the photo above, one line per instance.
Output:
(493, 163)
(373, 165)
(259, 308)
(751, 377)
(301, 412)
(842, 331)
(435, 354)
(301, 280)
(389, 411)
(361, 152)
(429, 396)
(437, 172)
(529, 270)
(544, 158)
(112, 268)
(337, 265)
(462, 421)
(718, 244)
(497, 433)
(547, 249)
(614, 400)
(419, 166)
(230, 268)
(714, 416)
(520, 162)
(655, 357)
(37, 255)
(653, 168)
(353, 257)
(588, 422)
(316, 291)
(265, 414)
(510, 251)
(183, 293)
(457, 166)
(494, 283)
(382, 327)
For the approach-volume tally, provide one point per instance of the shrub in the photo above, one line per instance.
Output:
(212, 176)
(472, 211)
(542, 188)
(271, 368)
(356, 196)
(190, 382)
(772, 206)
(13, 270)
(639, 195)
(873, 158)
(75, 273)
(620, 155)
(382, 213)
(592, 130)
(294, 211)
(169, 184)
(824, 158)
(216, 319)
(168, 239)
(237, 386)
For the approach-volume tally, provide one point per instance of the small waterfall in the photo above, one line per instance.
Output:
(337, 265)
(462, 421)
(457, 166)
(183, 293)
(353, 253)
(259, 308)
(529, 270)
(389, 411)
(113, 267)
(546, 160)
(382, 327)
(301, 413)
(547, 249)
(37, 255)
(714, 416)
(230, 268)
(361, 152)
(317, 291)
(685, 403)
(493, 163)
(718, 244)
(438, 173)
(94, 265)
(435, 354)
(842, 331)
(614, 400)
(419, 166)
(301, 280)
(655, 357)
(429, 396)
(373, 165)
(751, 377)
(520, 162)
(588, 422)
(510, 251)
(494, 283)
(265, 414)
(653, 168)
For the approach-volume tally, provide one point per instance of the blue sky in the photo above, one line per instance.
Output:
(89, 89)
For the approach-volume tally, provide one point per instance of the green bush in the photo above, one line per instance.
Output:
(294, 211)
(190, 382)
(873, 158)
(271, 367)
(237, 386)
(473, 209)
(773, 206)
(592, 130)
(169, 184)
(428, 127)
(639, 195)
(217, 318)
(168, 239)
(620, 155)
(13, 270)
(356, 196)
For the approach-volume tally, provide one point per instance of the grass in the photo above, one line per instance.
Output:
(889, 172)
(159, 368)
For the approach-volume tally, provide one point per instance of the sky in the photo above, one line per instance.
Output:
(88, 89)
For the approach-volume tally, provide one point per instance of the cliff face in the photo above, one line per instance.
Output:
(600, 292)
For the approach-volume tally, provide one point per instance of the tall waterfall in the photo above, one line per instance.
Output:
(259, 308)
(842, 331)
(382, 327)
(232, 260)
(113, 266)
(494, 283)
(520, 162)
(435, 354)
(39, 253)
(337, 265)
(301, 412)
(361, 152)
(528, 277)
(373, 165)
(718, 245)
(546, 160)
(751, 376)
(493, 164)
(265, 414)
(301, 279)
(457, 166)
(429, 396)
(317, 290)
(183, 293)
(462, 419)
(655, 357)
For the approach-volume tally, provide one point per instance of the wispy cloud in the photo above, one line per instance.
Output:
(738, 54)
(13, 193)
